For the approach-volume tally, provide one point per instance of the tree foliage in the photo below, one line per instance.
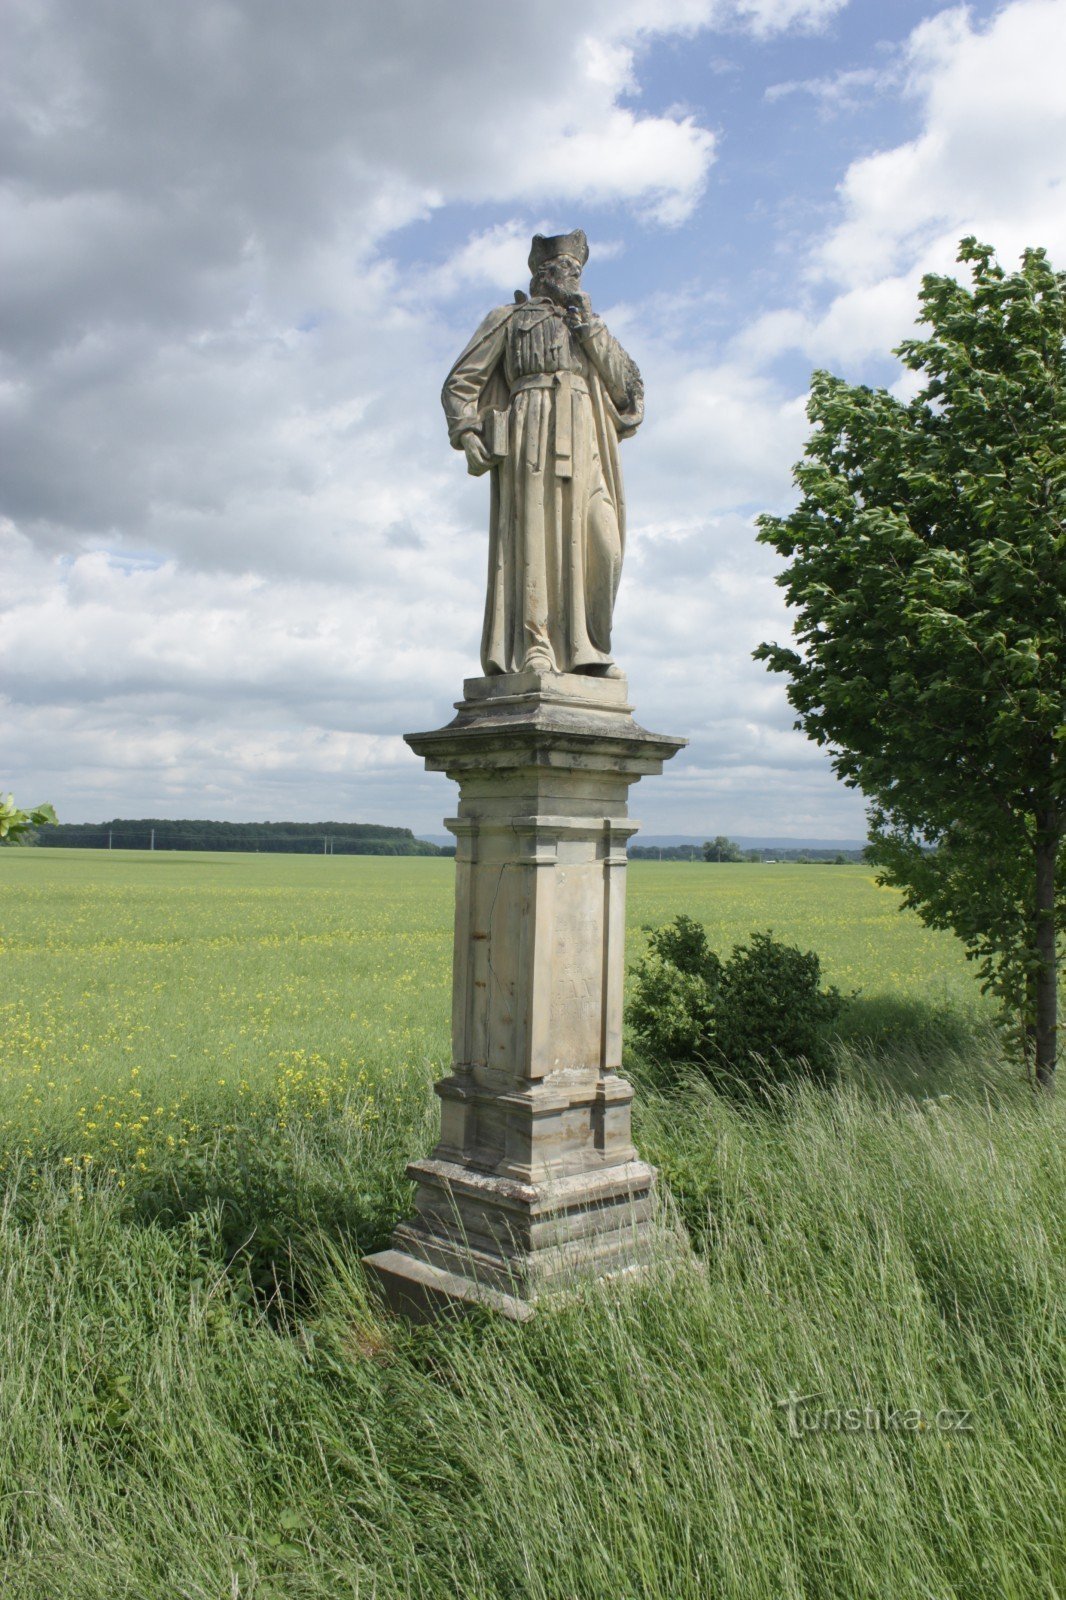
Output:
(135, 833)
(928, 573)
(722, 849)
(15, 824)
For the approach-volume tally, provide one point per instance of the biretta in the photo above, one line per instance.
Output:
(561, 244)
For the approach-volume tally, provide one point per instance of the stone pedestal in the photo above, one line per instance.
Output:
(535, 1176)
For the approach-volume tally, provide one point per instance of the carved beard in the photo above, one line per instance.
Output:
(550, 288)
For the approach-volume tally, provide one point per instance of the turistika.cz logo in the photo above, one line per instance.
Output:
(807, 1413)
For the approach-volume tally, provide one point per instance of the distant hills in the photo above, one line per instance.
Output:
(753, 842)
(304, 838)
(673, 841)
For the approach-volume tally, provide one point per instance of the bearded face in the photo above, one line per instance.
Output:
(559, 279)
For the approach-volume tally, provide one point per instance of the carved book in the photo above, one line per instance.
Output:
(494, 433)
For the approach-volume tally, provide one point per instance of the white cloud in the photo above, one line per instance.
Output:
(843, 91)
(177, 689)
(203, 355)
(236, 526)
(720, 438)
(774, 16)
(495, 257)
(151, 631)
(990, 159)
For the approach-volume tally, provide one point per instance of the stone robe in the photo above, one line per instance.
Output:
(551, 406)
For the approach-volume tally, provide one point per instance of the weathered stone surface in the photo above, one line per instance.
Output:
(538, 401)
(535, 1176)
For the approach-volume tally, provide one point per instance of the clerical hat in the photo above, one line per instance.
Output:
(561, 244)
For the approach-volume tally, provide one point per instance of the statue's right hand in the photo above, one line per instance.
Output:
(478, 459)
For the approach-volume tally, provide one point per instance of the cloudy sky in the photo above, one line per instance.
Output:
(242, 243)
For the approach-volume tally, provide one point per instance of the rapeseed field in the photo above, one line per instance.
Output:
(143, 993)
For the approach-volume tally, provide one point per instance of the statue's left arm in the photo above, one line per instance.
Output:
(619, 372)
(465, 384)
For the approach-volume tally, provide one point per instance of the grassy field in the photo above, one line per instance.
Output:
(213, 1070)
(132, 978)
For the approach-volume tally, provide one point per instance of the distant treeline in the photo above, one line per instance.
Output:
(307, 838)
(693, 852)
(666, 852)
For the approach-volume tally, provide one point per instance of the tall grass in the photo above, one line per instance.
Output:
(165, 1434)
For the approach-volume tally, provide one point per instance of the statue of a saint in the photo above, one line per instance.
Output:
(540, 398)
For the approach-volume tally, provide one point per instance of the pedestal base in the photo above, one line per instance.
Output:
(413, 1289)
(535, 1180)
(491, 1241)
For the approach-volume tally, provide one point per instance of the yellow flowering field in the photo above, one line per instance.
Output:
(142, 994)
(145, 996)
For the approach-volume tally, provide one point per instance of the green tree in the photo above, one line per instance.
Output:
(15, 824)
(981, 887)
(928, 571)
(722, 849)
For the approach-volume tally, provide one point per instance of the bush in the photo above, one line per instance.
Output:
(672, 1003)
(758, 1019)
(773, 1018)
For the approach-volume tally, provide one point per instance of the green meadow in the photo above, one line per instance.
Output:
(213, 1069)
(182, 974)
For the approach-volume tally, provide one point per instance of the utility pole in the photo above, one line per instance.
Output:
(109, 833)
(152, 845)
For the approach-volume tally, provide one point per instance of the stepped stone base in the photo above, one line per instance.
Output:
(535, 1178)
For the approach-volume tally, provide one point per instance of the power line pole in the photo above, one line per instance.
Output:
(152, 845)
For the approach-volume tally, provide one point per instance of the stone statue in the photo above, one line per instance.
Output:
(540, 398)
(535, 1177)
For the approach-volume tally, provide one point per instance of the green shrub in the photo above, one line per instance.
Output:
(773, 1018)
(672, 1003)
(761, 1018)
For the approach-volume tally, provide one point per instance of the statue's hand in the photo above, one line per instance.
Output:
(579, 312)
(478, 459)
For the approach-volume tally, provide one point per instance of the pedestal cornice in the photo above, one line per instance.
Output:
(526, 720)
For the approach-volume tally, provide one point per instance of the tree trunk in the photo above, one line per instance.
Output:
(1047, 844)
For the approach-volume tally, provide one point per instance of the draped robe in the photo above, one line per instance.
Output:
(557, 518)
